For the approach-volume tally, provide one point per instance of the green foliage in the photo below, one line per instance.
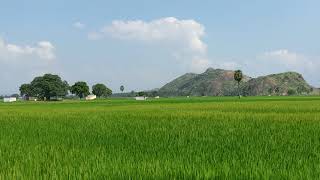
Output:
(101, 90)
(81, 89)
(141, 93)
(108, 92)
(121, 88)
(238, 76)
(26, 90)
(45, 87)
(152, 93)
(174, 138)
(291, 92)
(15, 95)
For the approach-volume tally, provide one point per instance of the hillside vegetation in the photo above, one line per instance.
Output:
(219, 82)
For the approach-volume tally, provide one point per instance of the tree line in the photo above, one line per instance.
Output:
(49, 86)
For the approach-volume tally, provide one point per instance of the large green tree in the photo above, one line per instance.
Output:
(80, 89)
(101, 90)
(46, 86)
(141, 93)
(108, 92)
(26, 90)
(238, 76)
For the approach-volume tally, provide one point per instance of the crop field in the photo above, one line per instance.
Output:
(173, 138)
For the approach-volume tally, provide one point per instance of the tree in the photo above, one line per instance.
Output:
(26, 90)
(154, 93)
(132, 94)
(270, 91)
(277, 90)
(291, 92)
(81, 89)
(238, 76)
(108, 92)
(141, 93)
(122, 88)
(45, 87)
(302, 89)
(99, 90)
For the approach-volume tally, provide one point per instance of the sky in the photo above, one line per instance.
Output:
(144, 44)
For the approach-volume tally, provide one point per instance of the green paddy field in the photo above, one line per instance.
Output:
(173, 138)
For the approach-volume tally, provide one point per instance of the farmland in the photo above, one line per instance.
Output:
(205, 137)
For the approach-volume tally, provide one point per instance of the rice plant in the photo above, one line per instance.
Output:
(174, 138)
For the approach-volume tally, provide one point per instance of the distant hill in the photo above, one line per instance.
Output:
(219, 82)
(278, 84)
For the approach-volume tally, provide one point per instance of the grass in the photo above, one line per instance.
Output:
(174, 138)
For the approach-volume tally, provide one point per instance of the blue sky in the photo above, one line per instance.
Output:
(144, 44)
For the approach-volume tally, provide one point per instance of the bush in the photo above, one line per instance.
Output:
(291, 92)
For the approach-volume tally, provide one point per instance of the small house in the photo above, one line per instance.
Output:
(140, 98)
(9, 99)
(91, 97)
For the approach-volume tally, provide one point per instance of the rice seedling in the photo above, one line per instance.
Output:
(194, 138)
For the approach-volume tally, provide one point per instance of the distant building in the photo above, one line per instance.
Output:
(141, 98)
(91, 97)
(29, 98)
(157, 97)
(32, 99)
(9, 99)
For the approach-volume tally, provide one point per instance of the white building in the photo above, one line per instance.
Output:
(141, 98)
(157, 97)
(91, 97)
(9, 99)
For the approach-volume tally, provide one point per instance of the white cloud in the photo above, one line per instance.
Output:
(199, 64)
(45, 50)
(42, 50)
(286, 60)
(21, 63)
(183, 36)
(229, 65)
(78, 25)
(277, 61)
(289, 60)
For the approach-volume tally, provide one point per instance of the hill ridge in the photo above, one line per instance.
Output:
(220, 82)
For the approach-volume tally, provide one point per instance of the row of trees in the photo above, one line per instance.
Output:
(51, 86)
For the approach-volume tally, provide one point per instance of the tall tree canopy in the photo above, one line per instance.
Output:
(109, 92)
(101, 90)
(238, 76)
(45, 87)
(121, 88)
(26, 90)
(80, 89)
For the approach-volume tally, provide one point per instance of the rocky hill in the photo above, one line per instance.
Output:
(288, 83)
(219, 82)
